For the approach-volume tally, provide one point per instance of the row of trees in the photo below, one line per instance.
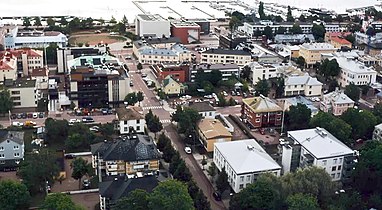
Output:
(133, 98)
(153, 123)
(187, 120)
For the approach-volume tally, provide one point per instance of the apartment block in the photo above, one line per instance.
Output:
(311, 52)
(225, 56)
(261, 111)
(336, 102)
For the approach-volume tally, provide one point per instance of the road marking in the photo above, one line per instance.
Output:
(152, 107)
(165, 121)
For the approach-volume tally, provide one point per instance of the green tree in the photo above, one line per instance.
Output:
(51, 53)
(120, 28)
(281, 30)
(329, 68)
(170, 195)
(297, 117)
(74, 24)
(280, 87)
(124, 20)
(155, 125)
(246, 72)
(361, 121)
(131, 98)
(222, 181)
(106, 130)
(14, 195)
(59, 201)
(168, 152)
(296, 29)
(187, 119)
(212, 170)
(140, 97)
(268, 32)
(136, 200)
(350, 38)
(348, 201)
(318, 31)
(302, 18)
(139, 66)
(56, 130)
(163, 140)
(289, 15)
(63, 21)
(203, 162)
(182, 173)
(80, 168)
(300, 61)
(37, 21)
(113, 20)
(42, 105)
(377, 111)
(234, 22)
(50, 22)
(301, 201)
(261, 11)
(6, 103)
(222, 102)
(175, 161)
(36, 170)
(26, 22)
(352, 91)
(262, 87)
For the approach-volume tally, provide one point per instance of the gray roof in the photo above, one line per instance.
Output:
(262, 104)
(302, 100)
(246, 156)
(318, 46)
(202, 106)
(131, 149)
(302, 80)
(227, 52)
(339, 97)
(163, 40)
(379, 126)
(320, 143)
(216, 66)
(15, 136)
(293, 37)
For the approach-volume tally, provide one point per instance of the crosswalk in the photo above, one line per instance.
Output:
(152, 107)
(165, 121)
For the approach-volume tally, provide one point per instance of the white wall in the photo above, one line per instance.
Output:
(139, 127)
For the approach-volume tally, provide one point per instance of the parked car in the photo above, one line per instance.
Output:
(87, 120)
(94, 129)
(17, 124)
(245, 95)
(188, 150)
(30, 115)
(217, 196)
(104, 111)
(69, 156)
(19, 116)
(131, 84)
(24, 115)
(262, 131)
(144, 75)
(29, 123)
(233, 93)
(86, 184)
(13, 116)
(35, 115)
(41, 115)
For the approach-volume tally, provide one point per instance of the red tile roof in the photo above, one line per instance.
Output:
(7, 65)
(39, 72)
(29, 52)
(340, 40)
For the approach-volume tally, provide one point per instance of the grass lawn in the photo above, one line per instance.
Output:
(93, 39)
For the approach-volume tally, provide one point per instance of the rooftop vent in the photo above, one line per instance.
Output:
(250, 147)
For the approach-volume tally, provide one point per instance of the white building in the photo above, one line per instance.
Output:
(11, 149)
(225, 56)
(130, 119)
(152, 26)
(8, 67)
(227, 70)
(302, 85)
(24, 93)
(204, 109)
(317, 147)
(243, 161)
(262, 71)
(377, 134)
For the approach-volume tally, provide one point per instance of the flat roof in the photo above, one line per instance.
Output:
(318, 46)
(227, 52)
(148, 17)
(212, 128)
(246, 156)
(184, 24)
(349, 64)
(320, 143)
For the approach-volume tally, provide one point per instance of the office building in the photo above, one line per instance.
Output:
(147, 25)
(187, 32)
(311, 52)
(227, 70)
(225, 56)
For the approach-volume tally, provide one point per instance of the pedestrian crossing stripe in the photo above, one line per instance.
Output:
(152, 107)
(165, 121)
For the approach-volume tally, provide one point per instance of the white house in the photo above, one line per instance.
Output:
(302, 85)
(130, 119)
(204, 109)
(262, 71)
(11, 149)
(243, 161)
(317, 147)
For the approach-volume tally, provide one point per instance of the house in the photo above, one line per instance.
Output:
(125, 155)
(130, 120)
(300, 100)
(261, 111)
(28, 59)
(180, 72)
(293, 51)
(243, 161)
(317, 147)
(8, 67)
(330, 35)
(172, 87)
(302, 85)
(336, 102)
(339, 43)
(147, 25)
(311, 52)
(227, 70)
(204, 109)
(11, 149)
(262, 71)
(377, 134)
(111, 190)
(212, 131)
(226, 56)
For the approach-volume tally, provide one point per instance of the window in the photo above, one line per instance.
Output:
(138, 121)
(338, 175)
(248, 178)
(241, 186)
(241, 178)
(16, 154)
(1, 148)
(16, 147)
(335, 161)
(339, 168)
(1, 155)
(2, 161)
(340, 160)
(125, 129)
(8, 141)
(324, 162)
(125, 122)
(138, 128)
(332, 175)
(334, 168)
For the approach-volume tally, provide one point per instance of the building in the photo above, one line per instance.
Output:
(243, 161)
(317, 147)
(311, 52)
(225, 56)
(377, 134)
(302, 85)
(293, 51)
(261, 111)
(16, 38)
(339, 43)
(204, 109)
(262, 71)
(259, 53)
(300, 100)
(41, 76)
(11, 149)
(294, 38)
(27, 60)
(8, 67)
(212, 131)
(147, 25)
(172, 87)
(130, 120)
(125, 156)
(227, 70)
(24, 93)
(110, 191)
(336, 102)
(187, 32)
(230, 41)
(330, 35)
(179, 72)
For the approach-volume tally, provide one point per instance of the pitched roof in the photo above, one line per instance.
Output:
(302, 80)
(168, 80)
(340, 40)
(339, 97)
(262, 104)
(130, 113)
(128, 149)
(15, 136)
(246, 156)
(40, 72)
(212, 128)
(202, 106)
(116, 189)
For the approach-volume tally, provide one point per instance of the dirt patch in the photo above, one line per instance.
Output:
(93, 39)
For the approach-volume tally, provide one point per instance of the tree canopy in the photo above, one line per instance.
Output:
(136, 200)
(301, 201)
(6, 103)
(352, 91)
(297, 117)
(289, 15)
(80, 168)
(362, 122)
(13, 195)
(329, 68)
(296, 29)
(318, 31)
(59, 201)
(262, 87)
(131, 98)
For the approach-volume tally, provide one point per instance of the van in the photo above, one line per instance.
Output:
(35, 115)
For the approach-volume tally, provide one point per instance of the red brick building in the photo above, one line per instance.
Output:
(187, 32)
(178, 72)
(262, 112)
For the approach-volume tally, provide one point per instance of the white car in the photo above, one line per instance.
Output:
(72, 121)
(188, 150)
(18, 124)
(94, 129)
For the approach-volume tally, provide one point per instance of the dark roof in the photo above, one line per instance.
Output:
(163, 40)
(14, 136)
(226, 51)
(129, 113)
(202, 106)
(138, 147)
(116, 189)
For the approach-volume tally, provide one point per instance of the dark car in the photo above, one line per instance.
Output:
(24, 115)
(104, 111)
(86, 184)
(30, 115)
(217, 196)
(19, 116)
(69, 156)
(87, 120)
(13, 116)
(41, 115)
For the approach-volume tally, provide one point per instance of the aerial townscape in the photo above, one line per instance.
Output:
(183, 105)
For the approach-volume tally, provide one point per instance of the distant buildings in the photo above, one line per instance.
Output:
(225, 56)
(187, 32)
(147, 25)
(261, 112)
(204, 109)
(212, 131)
(227, 70)
(311, 52)
(230, 41)
(302, 85)
(336, 102)
(243, 161)
(130, 120)
(317, 147)
(339, 43)
(11, 149)
(294, 38)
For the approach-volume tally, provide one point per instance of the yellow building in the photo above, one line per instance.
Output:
(211, 131)
(311, 52)
(172, 87)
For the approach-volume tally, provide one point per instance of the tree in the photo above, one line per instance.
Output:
(63, 21)
(80, 168)
(329, 68)
(50, 22)
(136, 200)
(37, 21)
(361, 121)
(222, 181)
(140, 97)
(26, 22)
(302, 18)
(289, 15)
(350, 38)
(14, 195)
(203, 162)
(139, 66)
(348, 201)
(377, 111)
(36, 170)
(168, 152)
(261, 11)
(131, 98)
(280, 87)
(163, 140)
(113, 20)
(297, 117)
(155, 125)
(352, 91)
(175, 161)
(120, 28)
(318, 31)
(6, 103)
(124, 20)
(187, 119)
(234, 22)
(170, 195)
(296, 29)
(51, 53)
(182, 173)
(268, 32)
(262, 87)
(74, 24)
(246, 72)
(300, 61)
(301, 201)
(212, 170)
(79, 137)
(201, 202)
(42, 105)
(222, 102)
(281, 30)
(59, 201)
(56, 130)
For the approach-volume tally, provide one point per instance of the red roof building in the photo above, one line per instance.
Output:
(178, 72)
(187, 32)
